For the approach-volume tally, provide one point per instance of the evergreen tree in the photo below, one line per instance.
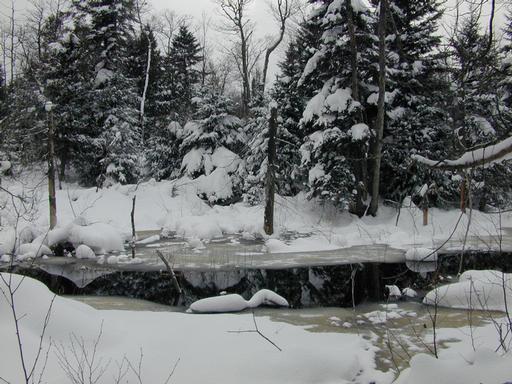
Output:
(211, 148)
(184, 57)
(478, 108)
(334, 123)
(163, 155)
(417, 84)
(113, 128)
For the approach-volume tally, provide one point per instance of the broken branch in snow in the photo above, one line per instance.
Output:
(173, 275)
(257, 330)
(498, 152)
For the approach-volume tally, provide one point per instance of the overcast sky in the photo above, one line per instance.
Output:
(258, 12)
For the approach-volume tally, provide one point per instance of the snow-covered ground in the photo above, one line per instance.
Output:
(174, 208)
(217, 349)
(207, 349)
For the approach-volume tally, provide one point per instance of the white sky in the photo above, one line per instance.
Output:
(258, 13)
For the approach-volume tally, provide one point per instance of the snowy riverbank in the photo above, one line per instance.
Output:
(174, 208)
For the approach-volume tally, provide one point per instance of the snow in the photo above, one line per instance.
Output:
(207, 351)
(102, 76)
(100, 237)
(481, 290)
(393, 291)
(476, 156)
(421, 254)
(361, 6)
(409, 292)
(359, 132)
(236, 303)
(5, 166)
(315, 173)
(32, 250)
(481, 366)
(149, 240)
(192, 161)
(84, 252)
(7, 240)
(174, 208)
(340, 100)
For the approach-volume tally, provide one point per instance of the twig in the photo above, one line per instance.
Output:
(257, 330)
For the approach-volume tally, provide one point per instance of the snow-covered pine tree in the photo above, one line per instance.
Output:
(211, 148)
(291, 101)
(163, 160)
(184, 57)
(113, 123)
(478, 108)
(416, 88)
(173, 104)
(337, 134)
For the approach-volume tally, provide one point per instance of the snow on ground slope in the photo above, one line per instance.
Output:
(473, 355)
(207, 351)
(175, 207)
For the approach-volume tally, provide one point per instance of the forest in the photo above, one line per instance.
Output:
(362, 92)
(279, 191)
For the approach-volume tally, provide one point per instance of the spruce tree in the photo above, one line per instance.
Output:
(334, 123)
(212, 146)
(417, 84)
(479, 108)
(113, 125)
(184, 57)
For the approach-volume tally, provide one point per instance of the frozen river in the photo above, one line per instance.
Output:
(398, 330)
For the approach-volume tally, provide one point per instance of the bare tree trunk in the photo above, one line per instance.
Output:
(51, 167)
(271, 177)
(144, 92)
(379, 125)
(134, 234)
(173, 277)
(282, 12)
(12, 48)
(358, 153)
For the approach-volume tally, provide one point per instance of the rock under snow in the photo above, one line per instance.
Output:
(100, 237)
(480, 290)
(84, 252)
(32, 250)
(394, 291)
(409, 292)
(236, 303)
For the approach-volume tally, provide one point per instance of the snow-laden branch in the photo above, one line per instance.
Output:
(498, 152)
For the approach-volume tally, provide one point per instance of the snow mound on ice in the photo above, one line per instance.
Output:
(236, 303)
(409, 292)
(84, 252)
(421, 254)
(100, 237)
(480, 290)
(32, 250)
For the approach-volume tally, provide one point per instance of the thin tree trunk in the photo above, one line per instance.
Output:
(13, 51)
(268, 52)
(379, 125)
(271, 181)
(134, 234)
(51, 168)
(144, 92)
(359, 152)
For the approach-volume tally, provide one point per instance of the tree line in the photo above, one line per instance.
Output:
(364, 87)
